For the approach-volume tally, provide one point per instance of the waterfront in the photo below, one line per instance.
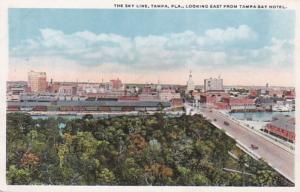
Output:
(88, 103)
(275, 154)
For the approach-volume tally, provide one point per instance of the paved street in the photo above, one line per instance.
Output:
(277, 157)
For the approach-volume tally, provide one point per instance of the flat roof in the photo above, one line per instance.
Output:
(92, 103)
(284, 122)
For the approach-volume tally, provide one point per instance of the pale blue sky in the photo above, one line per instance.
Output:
(140, 41)
(25, 23)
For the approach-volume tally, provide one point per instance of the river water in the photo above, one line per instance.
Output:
(259, 116)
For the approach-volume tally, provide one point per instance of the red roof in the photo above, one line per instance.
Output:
(128, 98)
(221, 105)
(241, 101)
(115, 81)
(176, 100)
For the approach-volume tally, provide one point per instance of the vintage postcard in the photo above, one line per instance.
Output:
(117, 95)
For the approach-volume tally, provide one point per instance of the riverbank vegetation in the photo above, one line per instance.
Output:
(129, 150)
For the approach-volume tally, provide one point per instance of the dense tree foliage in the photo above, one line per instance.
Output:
(128, 150)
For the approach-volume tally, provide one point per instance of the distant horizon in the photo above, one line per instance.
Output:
(153, 83)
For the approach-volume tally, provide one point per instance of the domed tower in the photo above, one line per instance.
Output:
(190, 85)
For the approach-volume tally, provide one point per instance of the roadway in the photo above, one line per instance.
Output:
(278, 158)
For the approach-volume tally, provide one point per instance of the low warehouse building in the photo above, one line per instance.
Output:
(283, 127)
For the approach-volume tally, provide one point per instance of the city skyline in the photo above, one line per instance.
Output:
(246, 48)
(147, 96)
(102, 80)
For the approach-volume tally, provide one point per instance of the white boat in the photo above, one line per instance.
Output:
(282, 108)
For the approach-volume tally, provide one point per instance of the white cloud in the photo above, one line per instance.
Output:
(89, 36)
(215, 48)
(230, 34)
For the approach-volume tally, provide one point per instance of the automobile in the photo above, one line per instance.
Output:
(254, 147)
(226, 123)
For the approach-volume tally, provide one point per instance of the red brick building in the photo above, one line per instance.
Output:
(283, 127)
(128, 98)
(289, 94)
(116, 84)
(241, 104)
(37, 81)
(253, 93)
(177, 102)
(222, 105)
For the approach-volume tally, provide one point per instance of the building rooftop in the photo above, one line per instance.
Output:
(240, 101)
(93, 103)
(262, 100)
(284, 122)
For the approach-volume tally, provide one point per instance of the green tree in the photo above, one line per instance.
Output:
(106, 177)
(266, 178)
(128, 150)
(18, 176)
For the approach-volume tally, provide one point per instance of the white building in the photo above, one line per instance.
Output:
(88, 88)
(14, 93)
(67, 90)
(213, 84)
(190, 85)
(11, 97)
(168, 95)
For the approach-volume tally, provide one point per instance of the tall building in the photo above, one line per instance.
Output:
(37, 81)
(267, 89)
(190, 85)
(213, 84)
(115, 84)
